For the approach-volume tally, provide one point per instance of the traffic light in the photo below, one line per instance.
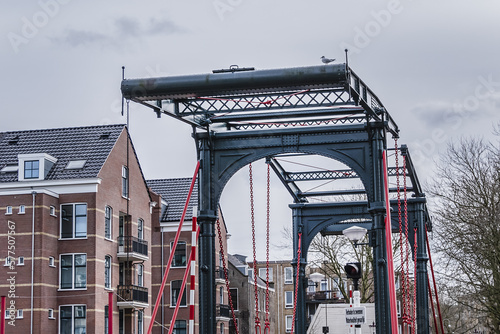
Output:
(353, 270)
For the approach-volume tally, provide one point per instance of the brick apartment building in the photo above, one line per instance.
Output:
(172, 194)
(281, 277)
(75, 214)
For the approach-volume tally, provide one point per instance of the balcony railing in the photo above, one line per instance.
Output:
(133, 248)
(223, 311)
(132, 296)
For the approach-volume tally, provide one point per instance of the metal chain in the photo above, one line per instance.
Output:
(407, 302)
(296, 282)
(221, 246)
(267, 325)
(414, 315)
(252, 210)
(401, 236)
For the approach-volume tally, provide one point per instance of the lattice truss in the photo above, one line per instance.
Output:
(349, 101)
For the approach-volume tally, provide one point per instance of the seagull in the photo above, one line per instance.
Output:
(326, 60)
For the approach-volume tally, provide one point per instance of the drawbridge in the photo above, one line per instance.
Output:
(241, 115)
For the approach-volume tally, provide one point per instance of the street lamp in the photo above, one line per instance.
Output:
(355, 233)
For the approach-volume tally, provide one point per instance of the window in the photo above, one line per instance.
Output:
(288, 275)
(125, 181)
(8, 261)
(7, 314)
(323, 286)
(180, 327)
(106, 319)
(51, 313)
(140, 229)
(121, 322)
(8, 210)
(72, 319)
(234, 298)
(175, 288)
(250, 274)
(179, 255)
(52, 210)
(73, 221)
(140, 275)
(311, 286)
(73, 271)
(288, 299)
(22, 209)
(75, 164)
(20, 261)
(107, 272)
(140, 322)
(262, 274)
(51, 261)
(221, 328)
(221, 295)
(108, 221)
(289, 319)
(20, 314)
(31, 169)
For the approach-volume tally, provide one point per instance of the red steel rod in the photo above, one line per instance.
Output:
(110, 312)
(434, 281)
(390, 259)
(2, 316)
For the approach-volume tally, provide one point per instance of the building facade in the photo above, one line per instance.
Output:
(75, 222)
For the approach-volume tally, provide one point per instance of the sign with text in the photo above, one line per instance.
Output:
(355, 315)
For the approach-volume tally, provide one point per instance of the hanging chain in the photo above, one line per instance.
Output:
(252, 211)
(414, 315)
(407, 301)
(267, 325)
(221, 246)
(296, 282)
(401, 232)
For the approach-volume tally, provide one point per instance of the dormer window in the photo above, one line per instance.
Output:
(31, 169)
(35, 166)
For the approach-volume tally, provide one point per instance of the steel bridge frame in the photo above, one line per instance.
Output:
(241, 117)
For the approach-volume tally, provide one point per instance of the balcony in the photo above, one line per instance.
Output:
(132, 296)
(132, 249)
(223, 311)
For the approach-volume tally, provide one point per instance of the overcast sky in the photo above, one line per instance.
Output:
(434, 65)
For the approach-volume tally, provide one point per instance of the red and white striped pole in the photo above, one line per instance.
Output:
(192, 282)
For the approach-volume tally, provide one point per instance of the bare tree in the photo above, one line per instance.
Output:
(467, 226)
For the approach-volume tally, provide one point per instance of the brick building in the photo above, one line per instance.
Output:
(172, 195)
(75, 220)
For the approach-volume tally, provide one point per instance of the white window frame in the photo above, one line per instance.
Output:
(177, 249)
(125, 182)
(51, 314)
(108, 272)
(237, 297)
(73, 306)
(20, 261)
(52, 262)
(140, 275)
(52, 211)
(179, 298)
(288, 328)
(108, 210)
(8, 261)
(140, 322)
(72, 272)
(20, 314)
(140, 229)
(323, 285)
(22, 209)
(311, 286)
(262, 274)
(8, 210)
(287, 303)
(288, 281)
(74, 221)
